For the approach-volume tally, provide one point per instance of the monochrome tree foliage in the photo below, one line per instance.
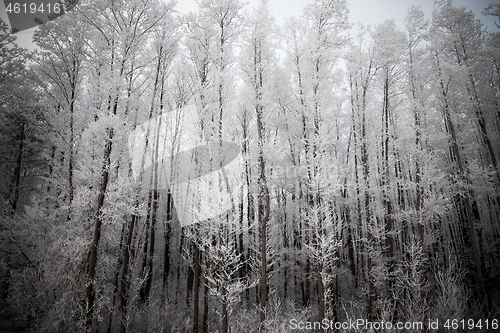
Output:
(367, 168)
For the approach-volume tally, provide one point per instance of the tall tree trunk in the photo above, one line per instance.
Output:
(71, 148)
(117, 278)
(154, 209)
(166, 235)
(125, 279)
(17, 170)
(196, 285)
(205, 308)
(153, 193)
(388, 219)
(366, 177)
(225, 319)
(90, 292)
(145, 247)
(263, 217)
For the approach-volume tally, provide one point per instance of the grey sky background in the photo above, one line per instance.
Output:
(361, 11)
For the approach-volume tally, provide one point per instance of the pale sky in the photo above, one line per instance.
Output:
(363, 11)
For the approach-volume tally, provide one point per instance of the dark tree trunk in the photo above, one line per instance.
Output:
(125, 279)
(90, 292)
(196, 287)
(17, 171)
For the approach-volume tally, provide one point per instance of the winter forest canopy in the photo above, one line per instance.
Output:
(369, 184)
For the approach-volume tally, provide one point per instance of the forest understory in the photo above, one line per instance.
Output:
(221, 171)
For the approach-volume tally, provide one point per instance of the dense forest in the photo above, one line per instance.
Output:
(366, 181)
